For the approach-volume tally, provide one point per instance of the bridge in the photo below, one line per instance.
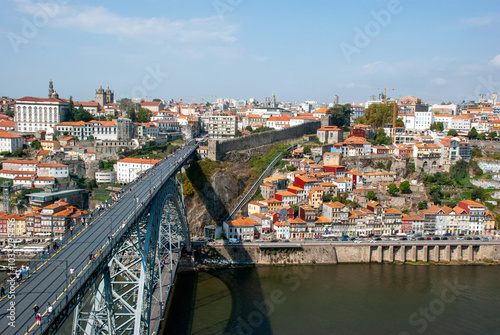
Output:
(124, 262)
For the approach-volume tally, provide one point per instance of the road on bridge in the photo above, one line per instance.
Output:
(50, 281)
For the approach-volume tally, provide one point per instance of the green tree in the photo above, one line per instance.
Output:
(71, 109)
(452, 132)
(478, 193)
(295, 210)
(492, 134)
(472, 133)
(393, 189)
(422, 204)
(316, 140)
(144, 115)
(410, 166)
(381, 138)
(480, 136)
(476, 153)
(249, 128)
(307, 149)
(18, 153)
(238, 133)
(377, 115)
(341, 115)
(438, 126)
(81, 114)
(90, 184)
(389, 166)
(127, 106)
(371, 195)
(404, 187)
(9, 112)
(36, 144)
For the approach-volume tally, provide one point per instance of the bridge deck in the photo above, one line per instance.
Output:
(50, 282)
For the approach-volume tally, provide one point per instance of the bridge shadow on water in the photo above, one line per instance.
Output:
(236, 306)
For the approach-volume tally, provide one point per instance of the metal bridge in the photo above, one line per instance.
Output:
(136, 245)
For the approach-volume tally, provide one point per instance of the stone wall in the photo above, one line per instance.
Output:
(329, 253)
(217, 149)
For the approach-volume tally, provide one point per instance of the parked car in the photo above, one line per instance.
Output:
(436, 238)
(444, 238)
(477, 239)
(485, 239)
(421, 239)
(259, 240)
(286, 241)
(345, 239)
(246, 241)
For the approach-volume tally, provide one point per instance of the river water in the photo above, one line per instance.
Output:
(338, 299)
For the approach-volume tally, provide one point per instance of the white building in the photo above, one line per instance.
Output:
(128, 169)
(423, 120)
(19, 165)
(408, 120)
(461, 123)
(53, 170)
(10, 142)
(29, 182)
(34, 114)
(80, 129)
(240, 229)
(105, 177)
(222, 126)
(282, 230)
(444, 119)
(103, 130)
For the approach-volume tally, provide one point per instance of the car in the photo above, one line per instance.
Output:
(485, 239)
(377, 239)
(436, 238)
(246, 241)
(345, 239)
(468, 238)
(334, 239)
(477, 239)
(427, 238)
(286, 241)
(274, 241)
(200, 239)
(259, 240)
(444, 238)
(421, 239)
(403, 239)
(461, 234)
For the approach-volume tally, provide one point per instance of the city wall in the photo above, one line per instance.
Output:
(217, 149)
(326, 253)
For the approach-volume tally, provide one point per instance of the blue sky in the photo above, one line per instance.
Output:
(299, 50)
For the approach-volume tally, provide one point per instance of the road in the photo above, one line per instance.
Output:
(50, 280)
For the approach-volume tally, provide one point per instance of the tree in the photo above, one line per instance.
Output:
(438, 126)
(249, 128)
(452, 132)
(71, 108)
(307, 149)
(492, 134)
(472, 133)
(371, 195)
(238, 133)
(476, 153)
(316, 140)
(81, 114)
(36, 144)
(381, 137)
(295, 209)
(477, 193)
(377, 115)
(393, 189)
(9, 113)
(144, 115)
(341, 115)
(404, 187)
(127, 106)
(422, 204)
(18, 153)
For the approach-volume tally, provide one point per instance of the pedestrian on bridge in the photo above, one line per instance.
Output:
(2, 291)
(72, 272)
(36, 309)
(38, 319)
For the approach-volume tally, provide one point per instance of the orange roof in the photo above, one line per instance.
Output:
(335, 204)
(17, 172)
(471, 203)
(17, 161)
(6, 134)
(321, 110)
(241, 222)
(47, 165)
(139, 161)
(392, 211)
(286, 194)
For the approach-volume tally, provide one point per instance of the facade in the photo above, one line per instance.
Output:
(53, 170)
(222, 126)
(128, 169)
(330, 134)
(240, 229)
(10, 142)
(105, 177)
(35, 114)
(104, 97)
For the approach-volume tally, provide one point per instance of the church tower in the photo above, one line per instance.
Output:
(52, 92)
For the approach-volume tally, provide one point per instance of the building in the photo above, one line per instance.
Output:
(105, 177)
(127, 169)
(103, 130)
(332, 158)
(241, 229)
(104, 97)
(330, 134)
(124, 129)
(10, 142)
(153, 106)
(222, 126)
(50, 145)
(53, 170)
(35, 114)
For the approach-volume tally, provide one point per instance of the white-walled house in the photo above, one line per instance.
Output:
(53, 170)
(128, 169)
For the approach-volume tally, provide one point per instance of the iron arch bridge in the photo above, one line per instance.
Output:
(124, 263)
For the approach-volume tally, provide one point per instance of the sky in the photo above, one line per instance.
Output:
(201, 50)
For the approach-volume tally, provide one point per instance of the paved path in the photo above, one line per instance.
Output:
(50, 281)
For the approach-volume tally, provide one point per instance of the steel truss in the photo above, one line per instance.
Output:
(134, 279)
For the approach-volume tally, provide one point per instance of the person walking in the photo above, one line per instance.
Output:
(49, 310)
(72, 273)
(36, 309)
(38, 319)
(2, 291)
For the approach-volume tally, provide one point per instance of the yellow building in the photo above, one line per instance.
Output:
(331, 158)
(50, 145)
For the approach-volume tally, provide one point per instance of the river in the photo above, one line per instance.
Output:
(337, 299)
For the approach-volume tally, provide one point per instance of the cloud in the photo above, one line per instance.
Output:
(495, 61)
(439, 81)
(485, 20)
(100, 20)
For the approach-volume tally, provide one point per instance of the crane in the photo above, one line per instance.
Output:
(380, 88)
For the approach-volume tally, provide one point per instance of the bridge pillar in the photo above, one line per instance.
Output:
(459, 253)
(447, 251)
(391, 253)
(436, 253)
(425, 257)
(413, 257)
(470, 253)
(402, 253)
(380, 254)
